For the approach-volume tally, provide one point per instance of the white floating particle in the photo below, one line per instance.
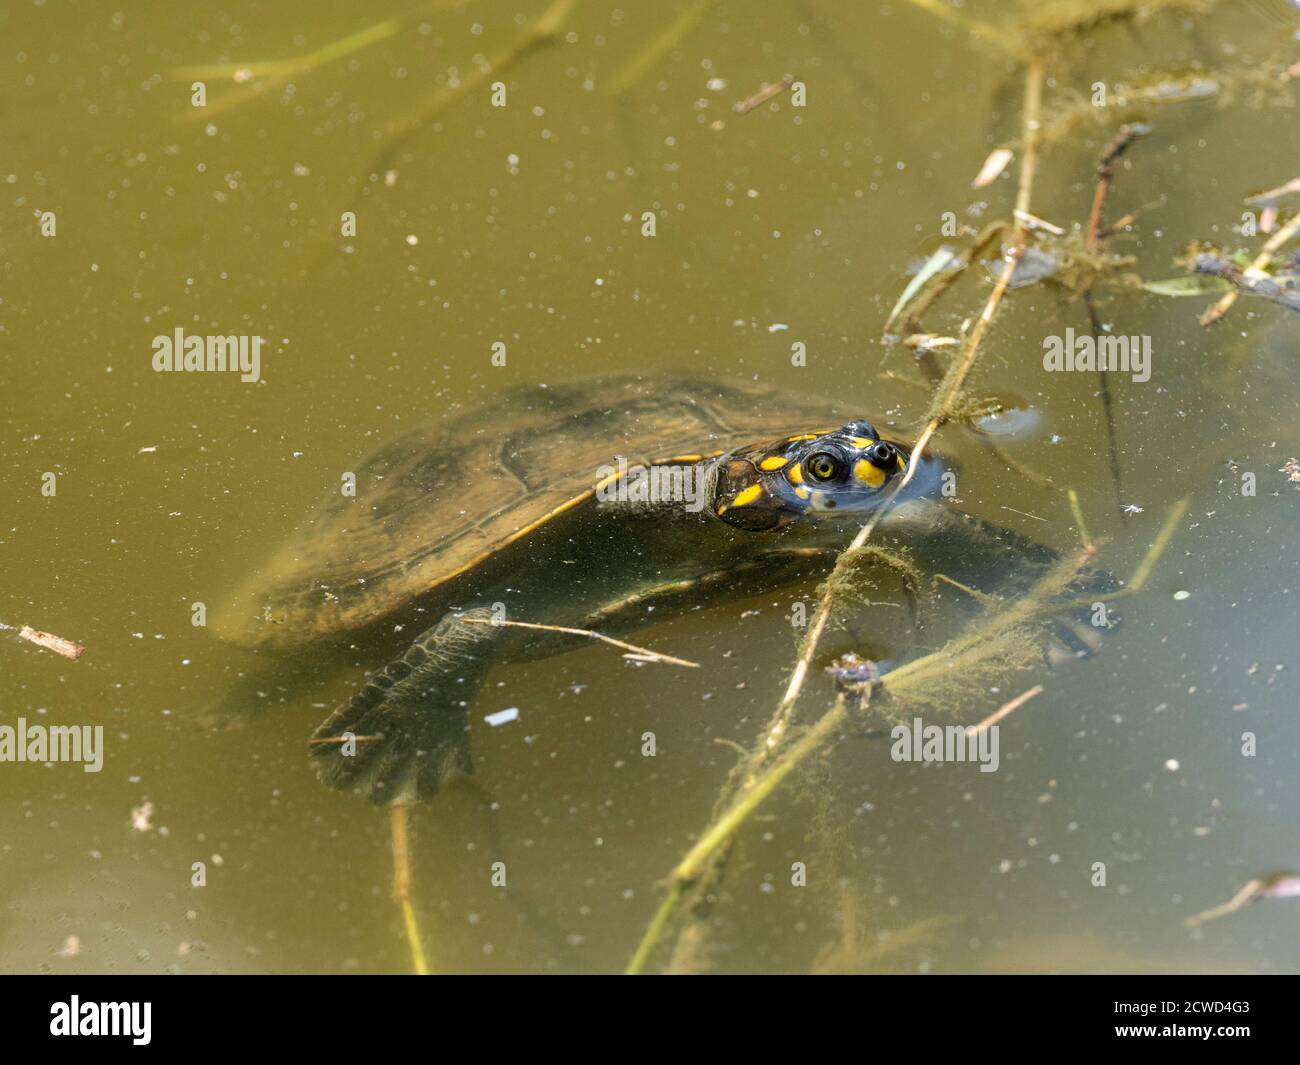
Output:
(412, 239)
(1173, 765)
(777, 327)
(1181, 595)
(142, 817)
(503, 717)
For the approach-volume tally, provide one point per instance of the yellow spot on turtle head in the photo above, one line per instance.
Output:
(773, 462)
(868, 473)
(747, 496)
(805, 436)
(802, 492)
(861, 442)
(794, 474)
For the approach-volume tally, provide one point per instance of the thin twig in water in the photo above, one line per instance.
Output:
(1002, 711)
(642, 653)
(767, 92)
(985, 600)
(1121, 143)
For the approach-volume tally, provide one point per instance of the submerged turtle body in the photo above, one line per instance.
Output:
(441, 500)
(508, 510)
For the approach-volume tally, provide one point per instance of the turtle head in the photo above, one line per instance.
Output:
(768, 485)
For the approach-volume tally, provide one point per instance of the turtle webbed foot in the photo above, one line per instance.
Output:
(406, 730)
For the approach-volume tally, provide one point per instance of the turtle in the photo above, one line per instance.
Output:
(578, 506)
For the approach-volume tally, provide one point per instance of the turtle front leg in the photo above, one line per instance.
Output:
(406, 730)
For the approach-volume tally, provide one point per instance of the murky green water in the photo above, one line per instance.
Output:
(522, 224)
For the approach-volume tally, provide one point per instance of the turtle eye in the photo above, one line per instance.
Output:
(823, 466)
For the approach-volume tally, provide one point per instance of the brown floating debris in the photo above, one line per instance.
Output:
(764, 94)
(67, 648)
(992, 168)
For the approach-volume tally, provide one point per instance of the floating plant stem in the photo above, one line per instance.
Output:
(1079, 523)
(654, 930)
(253, 79)
(543, 32)
(650, 56)
(1004, 40)
(402, 885)
(241, 73)
(1140, 576)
